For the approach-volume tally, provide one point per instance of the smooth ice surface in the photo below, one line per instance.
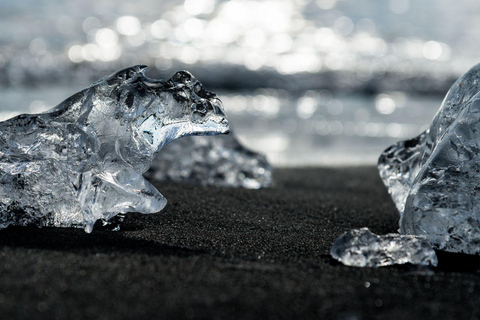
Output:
(362, 248)
(434, 179)
(84, 159)
(211, 161)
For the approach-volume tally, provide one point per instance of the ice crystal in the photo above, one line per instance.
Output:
(83, 160)
(213, 161)
(434, 178)
(362, 248)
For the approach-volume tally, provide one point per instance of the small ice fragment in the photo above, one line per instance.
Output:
(434, 178)
(362, 248)
(83, 160)
(211, 161)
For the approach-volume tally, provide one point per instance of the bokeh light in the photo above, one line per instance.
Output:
(307, 74)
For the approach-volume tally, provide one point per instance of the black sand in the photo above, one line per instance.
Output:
(233, 254)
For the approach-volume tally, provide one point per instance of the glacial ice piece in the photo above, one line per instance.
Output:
(213, 161)
(84, 159)
(362, 248)
(434, 179)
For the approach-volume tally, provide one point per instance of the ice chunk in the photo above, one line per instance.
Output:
(220, 161)
(434, 178)
(84, 159)
(362, 248)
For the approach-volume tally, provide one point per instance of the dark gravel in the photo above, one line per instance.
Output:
(233, 254)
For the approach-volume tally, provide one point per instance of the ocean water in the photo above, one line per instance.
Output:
(307, 82)
(391, 45)
(316, 127)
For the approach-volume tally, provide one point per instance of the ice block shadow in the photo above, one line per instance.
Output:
(77, 241)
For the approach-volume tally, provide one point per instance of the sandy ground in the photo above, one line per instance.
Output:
(233, 254)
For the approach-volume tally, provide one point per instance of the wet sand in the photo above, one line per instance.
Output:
(233, 254)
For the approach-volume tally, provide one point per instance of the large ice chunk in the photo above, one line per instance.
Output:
(84, 159)
(362, 248)
(211, 161)
(434, 179)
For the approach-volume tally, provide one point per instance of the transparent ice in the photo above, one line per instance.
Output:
(362, 248)
(211, 161)
(434, 179)
(83, 160)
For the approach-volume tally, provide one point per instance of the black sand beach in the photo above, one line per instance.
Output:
(233, 254)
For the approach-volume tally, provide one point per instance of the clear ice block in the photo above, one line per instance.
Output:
(211, 161)
(362, 248)
(83, 160)
(434, 178)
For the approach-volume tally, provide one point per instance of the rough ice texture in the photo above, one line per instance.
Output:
(211, 161)
(362, 248)
(83, 160)
(434, 179)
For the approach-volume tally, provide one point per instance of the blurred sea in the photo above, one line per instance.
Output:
(315, 128)
(307, 82)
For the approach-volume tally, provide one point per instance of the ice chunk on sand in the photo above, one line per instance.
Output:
(434, 178)
(83, 160)
(211, 161)
(362, 248)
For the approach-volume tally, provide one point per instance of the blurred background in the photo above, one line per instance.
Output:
(307, 82)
